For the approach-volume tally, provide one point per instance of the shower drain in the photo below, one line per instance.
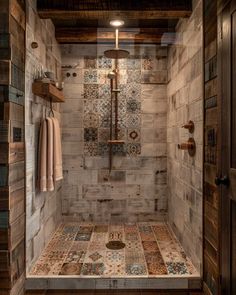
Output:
(115, 245)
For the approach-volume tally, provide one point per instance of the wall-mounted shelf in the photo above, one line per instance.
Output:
(48, 91)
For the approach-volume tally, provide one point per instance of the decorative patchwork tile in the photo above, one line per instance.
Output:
(103, 149)
(115, 236)
(82, 237)
(105, 91)
(68, 229)
(75, 256)
(90, 134)
(115, 269)
(133, 149)
(150, 246)
(133, 245)
(60, 245)
(79, 246)
(103, 134)
(134, 135)
(54, 255)
(147, 63)
(71, 269)
(55, 268)
(90, 62)
(155, 263)
(122, 134)
(40, 269)
(90, 91)
(133, 106)
(122, 106)
(97, 246)
(102, 77)
(91, 149)
(133, 91)
(121, 121)
(104, 120)
(162, 233)
(99, 237)
(131, 236)
(134, 76)
(134, 63)
(96, 269)
(135, 269)
(95, 256)
(130, 228)
(119, 149)
(90, 106)
(176, 268)
(133, 121)
(104, 106)
(115, 256)
(122, 63)
(90, 76)
(91, 120)
(104, 62)
(101, 228)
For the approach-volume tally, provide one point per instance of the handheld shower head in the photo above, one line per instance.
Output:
(111, 75)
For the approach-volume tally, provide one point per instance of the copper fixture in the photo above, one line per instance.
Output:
(189, 126)
(190, 146)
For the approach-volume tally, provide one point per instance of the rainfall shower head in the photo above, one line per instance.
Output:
(116, 53)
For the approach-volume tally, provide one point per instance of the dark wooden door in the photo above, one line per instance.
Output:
(227, 180)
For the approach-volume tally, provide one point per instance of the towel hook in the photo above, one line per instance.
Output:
(51, 109)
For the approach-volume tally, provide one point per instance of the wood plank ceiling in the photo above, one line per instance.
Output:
(87, 21)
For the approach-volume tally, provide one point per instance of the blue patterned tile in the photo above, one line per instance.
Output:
(133, 106)
(135, 269)
(176, 268)
(90, 76)
(104, 62)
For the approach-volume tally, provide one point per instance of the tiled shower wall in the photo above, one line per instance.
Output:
(185, 102)
(135, 189)
(43, 211)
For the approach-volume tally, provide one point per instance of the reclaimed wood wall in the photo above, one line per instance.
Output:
(12, 155)
(211, 243)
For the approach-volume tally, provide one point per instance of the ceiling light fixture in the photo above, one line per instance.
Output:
(117, 23)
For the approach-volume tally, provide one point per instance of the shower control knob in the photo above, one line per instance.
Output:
(222, 180)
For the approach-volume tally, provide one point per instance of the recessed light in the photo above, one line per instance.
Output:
(116, 23)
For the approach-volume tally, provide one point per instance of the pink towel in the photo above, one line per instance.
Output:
(57, 156)
(42, 163)
(50, 155)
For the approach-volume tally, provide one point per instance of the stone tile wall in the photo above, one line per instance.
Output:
(135, 190)
(185, 102)
(42, 209)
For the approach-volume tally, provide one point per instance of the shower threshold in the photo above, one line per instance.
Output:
(78, 257)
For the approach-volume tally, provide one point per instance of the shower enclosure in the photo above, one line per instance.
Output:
(128, 212)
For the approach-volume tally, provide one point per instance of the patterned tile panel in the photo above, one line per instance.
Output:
(86, 253)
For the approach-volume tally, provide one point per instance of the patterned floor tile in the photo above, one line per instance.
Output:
(80, 249)
(71, 269)
(93, 269)
(75, 256)
(135, 269)
(176, 268)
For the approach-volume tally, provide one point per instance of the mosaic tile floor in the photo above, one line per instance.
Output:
(80, 249)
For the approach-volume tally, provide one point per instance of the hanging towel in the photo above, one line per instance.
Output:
(42, 160)
(57, 158)
(50, 155)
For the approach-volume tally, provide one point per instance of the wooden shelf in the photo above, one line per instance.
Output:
(48, 91)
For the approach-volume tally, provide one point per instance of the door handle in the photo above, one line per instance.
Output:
(222, 180)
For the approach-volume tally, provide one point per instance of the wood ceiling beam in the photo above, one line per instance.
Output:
(88, 35)
(110, 14)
